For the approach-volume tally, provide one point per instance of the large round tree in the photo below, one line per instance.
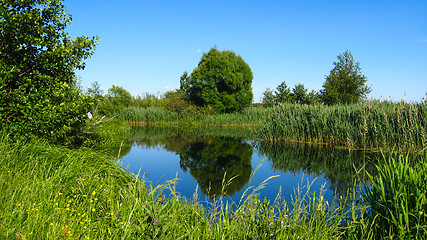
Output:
(222, 80)
(38, 92)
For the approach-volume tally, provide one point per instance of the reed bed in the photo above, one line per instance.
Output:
(366, 124)
(249, 117)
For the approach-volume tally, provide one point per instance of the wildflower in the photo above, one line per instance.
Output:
(93, 209)
(60, 194)
(256, 235)
(84, 195)
(271, 234)
(96, 199)
(93, 193)
(118, 216)
(154, 222)
(161, 197)
(89, 115)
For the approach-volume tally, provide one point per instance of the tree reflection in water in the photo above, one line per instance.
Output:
(213, 158)
(213, 163)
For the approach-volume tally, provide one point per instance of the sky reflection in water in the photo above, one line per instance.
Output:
(202, 161)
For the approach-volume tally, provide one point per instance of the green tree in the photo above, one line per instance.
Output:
(299, 94)
(95, 91)
(345, 83)
(222, 80)
(117, 98)
(38, 93)
(268, 98)
(282, 93)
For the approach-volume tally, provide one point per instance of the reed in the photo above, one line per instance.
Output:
(397, 199)
(366, 124)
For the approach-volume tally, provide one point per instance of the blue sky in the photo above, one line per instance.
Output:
(146, 45)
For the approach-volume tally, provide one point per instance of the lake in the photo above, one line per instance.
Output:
(207, 159)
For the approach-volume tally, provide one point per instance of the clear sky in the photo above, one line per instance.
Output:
(146, 45)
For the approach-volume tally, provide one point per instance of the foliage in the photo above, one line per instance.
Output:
(365, 124)
(95, 91)
(283, 94)
(268, 98)
(397, 199)
(37, 63)
(345, 84)
(80, 194)
(117, 98)
(175, 101)
(222, 80)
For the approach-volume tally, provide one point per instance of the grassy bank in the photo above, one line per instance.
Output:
(366, 124)
(370, 124)
(52, 192)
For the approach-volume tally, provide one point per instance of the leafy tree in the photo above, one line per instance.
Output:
(268, 98)
(299, 94)
(95, 90)
(345, 83)
(282, 93)
(117, 98)
(38, 93)
(222, 80)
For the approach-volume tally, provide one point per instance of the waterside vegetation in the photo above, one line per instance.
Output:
(368, 124)
(49, 191)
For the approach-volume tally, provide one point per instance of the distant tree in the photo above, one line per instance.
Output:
(299, 94)
(117, 98)
(268, 98)
(345, 84)
(222, 80)
(282, 93)
(95, 90)
(38, 90)
(313, 97)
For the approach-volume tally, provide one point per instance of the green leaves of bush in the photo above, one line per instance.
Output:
(39, 94)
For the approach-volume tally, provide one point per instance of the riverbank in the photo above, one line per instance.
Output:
(51, 191)
(369, 125)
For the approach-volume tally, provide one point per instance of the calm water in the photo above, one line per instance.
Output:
(203, 159)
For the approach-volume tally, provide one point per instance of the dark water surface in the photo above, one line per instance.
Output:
(204, 158)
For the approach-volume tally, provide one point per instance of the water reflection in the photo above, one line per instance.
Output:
(338, 166)
(209, 156)
(214, 162)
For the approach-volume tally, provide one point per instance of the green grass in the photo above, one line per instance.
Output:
(366, 124)
(397, 197)
(370, 124)
(53, 192)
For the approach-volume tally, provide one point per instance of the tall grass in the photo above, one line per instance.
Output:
(366, 124)
(397, 198)
(52, 192)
